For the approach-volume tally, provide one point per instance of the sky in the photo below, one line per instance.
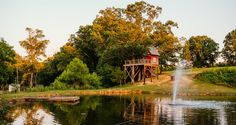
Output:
(60, 18)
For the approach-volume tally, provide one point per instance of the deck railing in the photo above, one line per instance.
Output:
(139, 61)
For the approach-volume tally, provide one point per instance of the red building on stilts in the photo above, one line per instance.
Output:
(147, 67)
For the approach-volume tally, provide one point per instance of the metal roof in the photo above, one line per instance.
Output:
(153, 51)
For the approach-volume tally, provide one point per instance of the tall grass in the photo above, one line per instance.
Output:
(221, 76)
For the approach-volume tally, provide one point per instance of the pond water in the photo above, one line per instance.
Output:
(124, 110)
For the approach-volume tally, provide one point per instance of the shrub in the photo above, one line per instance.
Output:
(39, 88)
(224, 76)
(76, 74)
(58, 85)
(111, 76)
(94, 80)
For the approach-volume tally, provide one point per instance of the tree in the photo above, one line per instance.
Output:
(130, 26)
(168, 44)
(87, 46)
(119, 34)
(136, 27)
(229, 50)
(203, 51)
(186, 52)
(20, 68)
(77, 73)
(35, 46)
(7, 59)
(56, 64)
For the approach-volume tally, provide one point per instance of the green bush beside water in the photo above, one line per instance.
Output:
(75, 76)
(224, 76)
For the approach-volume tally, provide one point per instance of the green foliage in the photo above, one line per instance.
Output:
(77, 73)
(116, 55)
(58, 85)
(223, 76)
(169, 68)
(203, 51)
(39, 88)
(229, 50)
(167, 43)
(117, 75)
(87, 46)
(7, 55)
(111, 75)
(93, 80)
(105, 72)
(54, 66)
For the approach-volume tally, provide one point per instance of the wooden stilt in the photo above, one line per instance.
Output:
(151, 73)
(144, 74)
(139, 74)
(157, 71)
(132, 74)
(125, 71)
(132, 107)
(144, 113)
(140, 69)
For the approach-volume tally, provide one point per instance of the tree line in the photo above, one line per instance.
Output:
(95, 54)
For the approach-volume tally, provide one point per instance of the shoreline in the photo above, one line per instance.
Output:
(110, 92)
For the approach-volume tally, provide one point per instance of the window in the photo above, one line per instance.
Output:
(154, 60)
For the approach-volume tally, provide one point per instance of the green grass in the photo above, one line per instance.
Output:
(199, 70)
(204, 88)
(194, 89)
(45, 93)
(220, 76)
(197, 88)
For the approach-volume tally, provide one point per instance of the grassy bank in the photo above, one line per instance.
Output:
(196, 89)
(223, 76)
(51, 93)
(162, 86)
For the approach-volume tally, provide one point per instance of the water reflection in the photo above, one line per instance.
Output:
(107, 110)
(161, 111)
(35, 115)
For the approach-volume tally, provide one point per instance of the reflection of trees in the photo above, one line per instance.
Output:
(36, 113)
(30, 114)
(109, 113)
(112, 110)
(4, 109)
(76, 114)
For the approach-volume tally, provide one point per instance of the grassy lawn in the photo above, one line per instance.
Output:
(194, 71)
(192, 88)
(196, 88)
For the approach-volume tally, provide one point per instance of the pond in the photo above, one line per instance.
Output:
(121, 110)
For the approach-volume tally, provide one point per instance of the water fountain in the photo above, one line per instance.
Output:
(177, 77)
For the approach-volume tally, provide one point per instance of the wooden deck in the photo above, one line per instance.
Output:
(52, 99)
(139, 62)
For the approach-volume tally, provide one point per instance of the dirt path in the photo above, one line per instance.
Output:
(166, 79)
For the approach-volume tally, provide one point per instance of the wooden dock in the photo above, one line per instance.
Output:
(64, 99)
(52, 99)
